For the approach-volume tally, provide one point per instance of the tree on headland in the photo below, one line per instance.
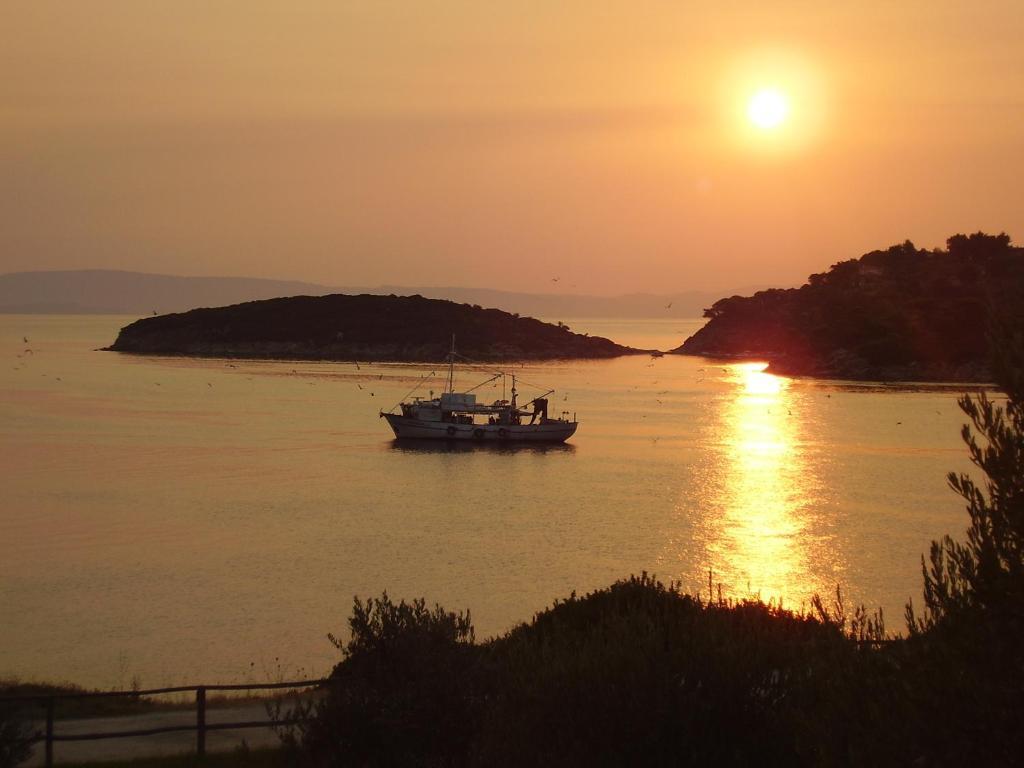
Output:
(978, 246)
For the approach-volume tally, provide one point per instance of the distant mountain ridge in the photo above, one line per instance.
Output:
(113, 292)
(99, 291)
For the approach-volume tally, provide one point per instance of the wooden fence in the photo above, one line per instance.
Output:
(48, 702)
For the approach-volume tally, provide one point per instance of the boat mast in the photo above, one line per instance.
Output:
(451, 366)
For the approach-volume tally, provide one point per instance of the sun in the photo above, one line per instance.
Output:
(768, 108)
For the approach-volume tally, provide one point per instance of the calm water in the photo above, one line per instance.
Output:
(179, 520)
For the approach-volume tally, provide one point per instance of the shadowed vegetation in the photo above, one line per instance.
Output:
(238, 758)
(638, 673)
(899, 314)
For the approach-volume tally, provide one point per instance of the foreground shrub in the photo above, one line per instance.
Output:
(967, 661)
(14, 735)
(638, 673)
(404, 695)
(641, 674)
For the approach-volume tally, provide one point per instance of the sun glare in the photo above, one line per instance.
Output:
(774, 101)
(768, 108)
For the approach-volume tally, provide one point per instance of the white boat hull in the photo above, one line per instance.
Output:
(551, 432)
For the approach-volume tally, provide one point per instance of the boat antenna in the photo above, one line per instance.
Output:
(451, 366)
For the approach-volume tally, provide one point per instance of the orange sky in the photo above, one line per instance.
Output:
(467, 143)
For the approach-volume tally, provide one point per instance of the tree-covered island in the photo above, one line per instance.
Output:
(902, 314)
(363, 327)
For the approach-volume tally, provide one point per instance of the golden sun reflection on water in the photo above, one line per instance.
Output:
(757, 532)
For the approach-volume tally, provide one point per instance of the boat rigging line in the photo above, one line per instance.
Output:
(410, 392)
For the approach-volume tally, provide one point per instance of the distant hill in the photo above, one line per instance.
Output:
(111, 292)
(98, 291)
(365, 327)
(898, 314)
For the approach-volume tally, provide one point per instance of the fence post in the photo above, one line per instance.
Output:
(49, 732)
(201, 720)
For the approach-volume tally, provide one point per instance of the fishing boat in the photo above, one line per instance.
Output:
(462, 416)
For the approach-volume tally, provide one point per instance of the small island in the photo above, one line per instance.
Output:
(902, 314)
(363, 327)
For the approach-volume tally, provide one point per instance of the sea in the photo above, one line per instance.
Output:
(175, 521)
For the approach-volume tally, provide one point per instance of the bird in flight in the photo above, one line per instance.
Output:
(669, 305)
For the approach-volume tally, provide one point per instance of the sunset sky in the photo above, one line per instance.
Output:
(617, 146)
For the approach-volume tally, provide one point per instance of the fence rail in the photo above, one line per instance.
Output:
(48, 701)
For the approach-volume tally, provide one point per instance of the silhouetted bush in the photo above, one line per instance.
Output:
(14, 734)
(968, 647)
(642, 674)
(637, 673)
(405, 694)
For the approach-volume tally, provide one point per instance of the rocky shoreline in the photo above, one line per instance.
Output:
(843, 365)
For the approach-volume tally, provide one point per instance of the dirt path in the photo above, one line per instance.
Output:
(161, 744)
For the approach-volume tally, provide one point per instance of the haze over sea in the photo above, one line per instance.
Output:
(177, 520)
